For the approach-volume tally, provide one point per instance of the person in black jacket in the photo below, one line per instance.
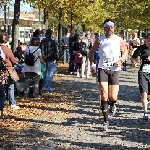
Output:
(71, 52)
(144, 72)
(50, 54)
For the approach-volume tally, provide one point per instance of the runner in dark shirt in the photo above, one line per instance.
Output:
(144, 72)
(143, 52)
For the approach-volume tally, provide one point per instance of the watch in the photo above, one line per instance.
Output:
(121, 61)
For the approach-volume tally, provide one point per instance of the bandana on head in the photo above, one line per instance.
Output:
(109, 23)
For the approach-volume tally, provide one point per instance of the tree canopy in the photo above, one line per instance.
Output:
(128, 14)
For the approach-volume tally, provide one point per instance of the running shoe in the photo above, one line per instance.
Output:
(105, 126)
(113, 110)
(145, 117)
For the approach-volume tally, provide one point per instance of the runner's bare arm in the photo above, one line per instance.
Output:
(93, 50)
(124, 50)
(135, 55)
(138, 42)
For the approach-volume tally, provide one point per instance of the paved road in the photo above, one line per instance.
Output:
(74, 124)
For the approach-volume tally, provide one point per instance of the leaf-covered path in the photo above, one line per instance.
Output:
(68, 119)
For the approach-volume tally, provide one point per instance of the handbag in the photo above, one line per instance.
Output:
(13, 74)
(3, 78)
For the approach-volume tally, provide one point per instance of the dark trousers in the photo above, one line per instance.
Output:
(71, 63)
(40, 86)
(2, 97)
(31, 77)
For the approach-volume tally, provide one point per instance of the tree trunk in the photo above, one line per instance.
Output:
(59, 31)
(5, 20)
(46, 18)
(15, 25)
(59, 36)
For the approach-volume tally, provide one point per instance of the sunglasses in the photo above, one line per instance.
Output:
(109, 27)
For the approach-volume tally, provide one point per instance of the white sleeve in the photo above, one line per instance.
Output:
(2, 54)
(39, 52)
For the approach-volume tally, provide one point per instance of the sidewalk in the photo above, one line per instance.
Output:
(68, 119)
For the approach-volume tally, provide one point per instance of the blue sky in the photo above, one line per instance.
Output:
(24, 7)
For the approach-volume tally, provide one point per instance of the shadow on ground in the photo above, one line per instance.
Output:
(83, 96)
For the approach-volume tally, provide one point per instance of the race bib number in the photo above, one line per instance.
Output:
(146, 68)
(108, 64)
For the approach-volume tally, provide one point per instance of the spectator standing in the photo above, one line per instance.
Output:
(78, 55)
(71, 41)
(33, 72)
(2, 78)
(50, 54)
(65, 47)
(9, 62)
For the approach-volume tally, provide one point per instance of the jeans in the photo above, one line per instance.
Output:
(48, 75)
(2, 97)
(66, 55)
(11, 94)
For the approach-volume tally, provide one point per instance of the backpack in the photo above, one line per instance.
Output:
(83, 48)
(30, 58)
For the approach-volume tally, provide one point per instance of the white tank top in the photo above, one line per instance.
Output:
(109, 50)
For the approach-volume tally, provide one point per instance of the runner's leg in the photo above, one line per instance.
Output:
(143, 78)
(113, 88)
(103, 78)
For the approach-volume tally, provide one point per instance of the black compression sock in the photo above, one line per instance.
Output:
(105, 110)
(111, 103)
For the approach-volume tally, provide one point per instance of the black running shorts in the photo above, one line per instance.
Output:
(144, 82)
(112, 77)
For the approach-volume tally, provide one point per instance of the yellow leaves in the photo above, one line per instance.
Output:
(95, 11)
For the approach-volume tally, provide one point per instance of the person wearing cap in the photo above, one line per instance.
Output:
(49, 52)
(109, 65)
(144, 72)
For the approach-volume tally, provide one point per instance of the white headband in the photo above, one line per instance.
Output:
(109, 23)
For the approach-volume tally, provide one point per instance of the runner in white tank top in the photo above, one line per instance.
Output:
(110, 52)
(108, 68)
